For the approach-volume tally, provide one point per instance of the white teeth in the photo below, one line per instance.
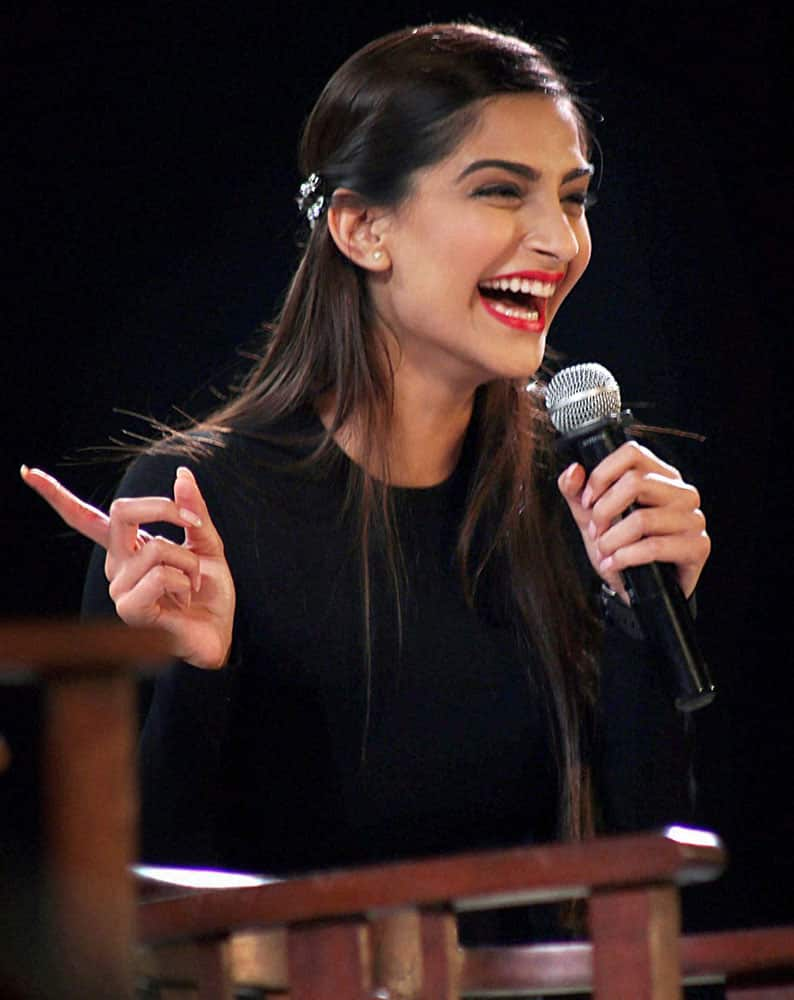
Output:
(529, 286)
(513, 313)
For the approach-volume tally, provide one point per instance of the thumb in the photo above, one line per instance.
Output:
(200, 532)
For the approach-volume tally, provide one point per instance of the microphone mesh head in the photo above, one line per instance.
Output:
(581, 394)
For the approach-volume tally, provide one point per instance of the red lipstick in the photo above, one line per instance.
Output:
(554, 276)
(512, 312)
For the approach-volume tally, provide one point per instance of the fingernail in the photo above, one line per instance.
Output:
(192, 519)
(592, 531)
(184, 471)
(606, 564)
(183, 600)
(587, 496)
(23, 471)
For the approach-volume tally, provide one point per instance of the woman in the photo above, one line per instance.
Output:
(367, 551)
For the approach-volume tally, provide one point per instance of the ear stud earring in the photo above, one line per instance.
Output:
(377, 254)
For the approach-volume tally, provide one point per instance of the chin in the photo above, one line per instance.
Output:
(514, 372)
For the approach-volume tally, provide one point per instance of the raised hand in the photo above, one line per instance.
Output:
(667, 526)
(186, 589)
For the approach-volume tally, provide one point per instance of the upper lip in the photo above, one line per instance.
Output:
(530, 275)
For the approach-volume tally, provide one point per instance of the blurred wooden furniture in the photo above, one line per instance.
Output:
(88, 673)
(755, 964)
(390, 930)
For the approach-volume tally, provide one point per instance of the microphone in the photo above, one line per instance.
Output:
(584, 405)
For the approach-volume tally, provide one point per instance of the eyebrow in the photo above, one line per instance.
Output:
(523, 170)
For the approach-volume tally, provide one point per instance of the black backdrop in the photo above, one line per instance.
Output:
(150, 196)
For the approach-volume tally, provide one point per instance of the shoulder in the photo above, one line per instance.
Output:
(222, 452)
(237, 469)
(152, 472)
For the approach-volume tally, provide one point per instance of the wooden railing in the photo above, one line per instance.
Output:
(386, 931)
(390, 931)
(392, 928)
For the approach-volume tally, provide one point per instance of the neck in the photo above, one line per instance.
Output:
(425, 433)
(426, 441)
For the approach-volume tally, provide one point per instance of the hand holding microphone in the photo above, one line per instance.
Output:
(641, 524)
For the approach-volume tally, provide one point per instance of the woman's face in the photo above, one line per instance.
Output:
(487, 245)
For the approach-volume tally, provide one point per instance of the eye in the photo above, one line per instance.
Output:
(502, 189)
(580, 199)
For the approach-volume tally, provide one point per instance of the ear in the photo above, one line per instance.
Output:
(357, 229)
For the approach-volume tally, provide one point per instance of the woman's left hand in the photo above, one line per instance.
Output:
(667, 526)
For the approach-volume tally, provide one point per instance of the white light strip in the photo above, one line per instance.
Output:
(698, 838)
(200, 878)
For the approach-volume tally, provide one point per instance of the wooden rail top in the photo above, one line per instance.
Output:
(51, 646)
(468, 881)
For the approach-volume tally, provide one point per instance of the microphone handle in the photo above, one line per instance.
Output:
(653, 589)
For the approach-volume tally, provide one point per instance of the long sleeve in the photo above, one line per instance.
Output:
(185, 712)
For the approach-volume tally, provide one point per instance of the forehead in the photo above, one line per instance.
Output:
(540, 131)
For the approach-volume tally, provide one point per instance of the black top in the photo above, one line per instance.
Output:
(297, 756)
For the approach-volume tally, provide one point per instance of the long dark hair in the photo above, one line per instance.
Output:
(398, 105)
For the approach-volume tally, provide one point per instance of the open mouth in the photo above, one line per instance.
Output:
(519, 297)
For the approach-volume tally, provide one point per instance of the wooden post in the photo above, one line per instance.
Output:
(441, 955)
(214, 969)
(396, 942)
(415, 954)
(328, 961)
(88, 790)
(90, 813)
(635, 943)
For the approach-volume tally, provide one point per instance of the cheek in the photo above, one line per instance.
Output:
(585, 248)
(578, 265)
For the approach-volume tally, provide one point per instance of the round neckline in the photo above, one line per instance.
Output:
(434, 489)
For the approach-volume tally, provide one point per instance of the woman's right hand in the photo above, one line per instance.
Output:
(186, 589)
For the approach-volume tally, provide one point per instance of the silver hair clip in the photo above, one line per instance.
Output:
(309, 202)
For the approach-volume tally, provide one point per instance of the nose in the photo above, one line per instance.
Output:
(550, 231)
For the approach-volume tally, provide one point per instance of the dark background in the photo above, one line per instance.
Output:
(150, 205)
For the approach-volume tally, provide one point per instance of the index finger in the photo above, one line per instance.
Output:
(630, 455)
(127, 514)
(88, 520)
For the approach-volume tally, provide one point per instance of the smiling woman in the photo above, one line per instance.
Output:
(510, 200)
(368, 549)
